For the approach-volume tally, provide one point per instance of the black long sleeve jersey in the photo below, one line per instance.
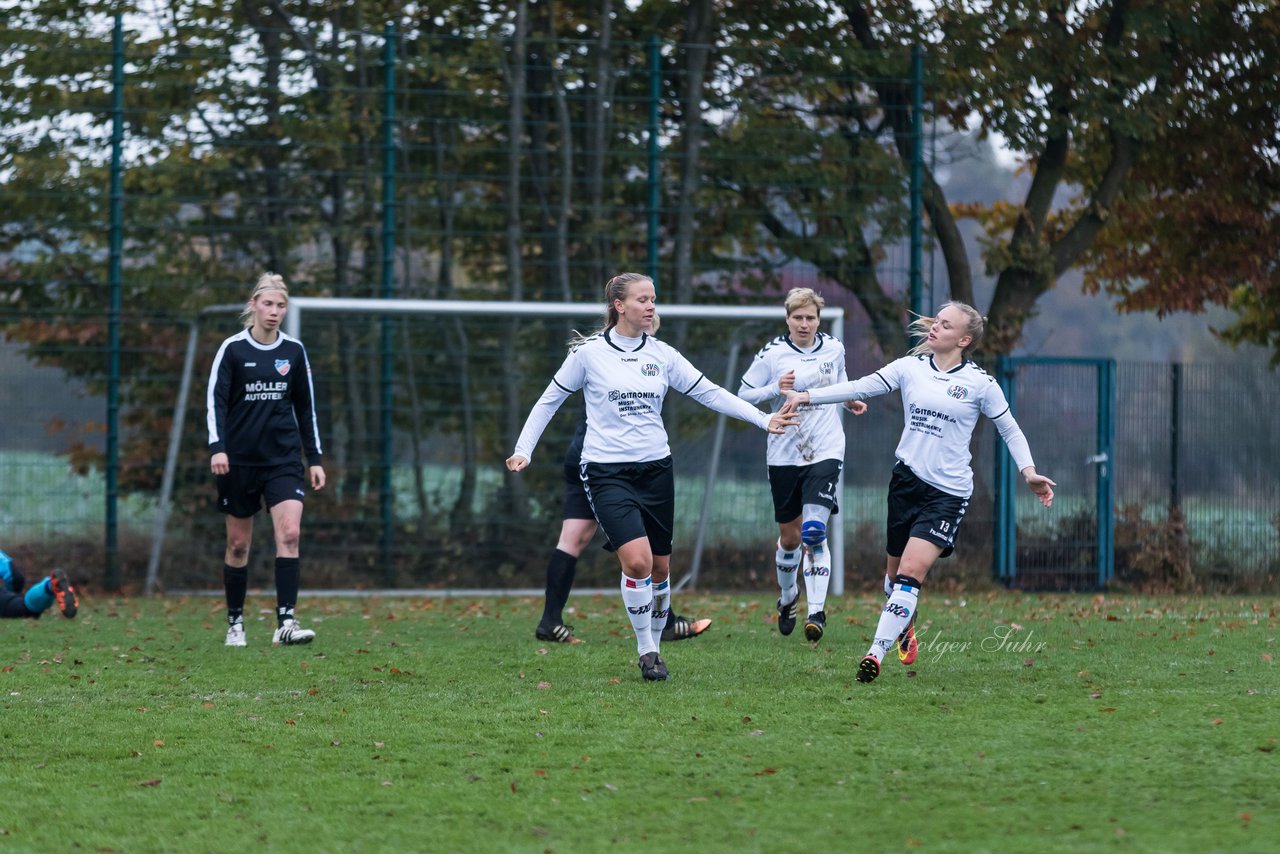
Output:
(261, 403)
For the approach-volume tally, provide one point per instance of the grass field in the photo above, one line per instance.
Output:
(1029, 723)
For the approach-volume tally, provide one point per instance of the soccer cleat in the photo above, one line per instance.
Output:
(63, 593)
(292, 633)
(908, 646)
(557, 633)
(653, 668)
(235, 634)
(683, 628)
(868, 669)
(814, 625)
(787, 615)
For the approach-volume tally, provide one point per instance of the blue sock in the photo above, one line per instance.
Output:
(39, 597)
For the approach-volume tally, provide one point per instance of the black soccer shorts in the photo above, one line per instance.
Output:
(243, 489)
(919, 510)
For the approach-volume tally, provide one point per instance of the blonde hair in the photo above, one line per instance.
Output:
(266, 282)
(976, 325)
(614, 289)
(800, 297)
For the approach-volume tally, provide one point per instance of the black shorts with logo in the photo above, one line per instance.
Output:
(633, 500)
(243, 489)
(795, 486)
(919, 510)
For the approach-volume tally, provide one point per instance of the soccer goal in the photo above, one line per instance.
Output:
(420, 401)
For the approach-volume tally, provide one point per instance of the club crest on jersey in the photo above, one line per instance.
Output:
(959, 392)
(649, 369)
(282, 367)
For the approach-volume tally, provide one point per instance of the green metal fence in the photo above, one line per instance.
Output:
(1163, 474)
(156, 169)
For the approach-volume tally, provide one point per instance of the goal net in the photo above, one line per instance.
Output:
(419, 403)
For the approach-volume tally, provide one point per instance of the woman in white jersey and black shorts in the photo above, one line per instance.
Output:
(805, 462)
(943, 393)
(624, 375)
(262, 418)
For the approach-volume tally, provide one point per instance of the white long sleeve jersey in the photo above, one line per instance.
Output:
(940, 410)
(624, 381)
(819, 435)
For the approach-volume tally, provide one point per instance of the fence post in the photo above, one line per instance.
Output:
(111, 577)
(655, 97)
(386, 495)
(917, 179)
(1105, 482)
(1004, 543)
(1175, 422)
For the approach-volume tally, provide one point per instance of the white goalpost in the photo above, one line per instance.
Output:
(302, 308)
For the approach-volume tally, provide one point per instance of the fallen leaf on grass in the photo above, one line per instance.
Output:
(150, 783)
(1107, 710)
(159, 742)
(766, 771)
(542, 686)
(538, 772)
(1217, 721)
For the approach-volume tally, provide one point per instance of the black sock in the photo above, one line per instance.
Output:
(236, 581)
(287, 573)
(561, 569)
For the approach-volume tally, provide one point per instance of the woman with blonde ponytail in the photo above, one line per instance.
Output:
(943, 393)
(624, 375)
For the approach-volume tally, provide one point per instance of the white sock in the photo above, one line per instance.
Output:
(787, 561)
(637, 596)
(817, 575)
(888, 586)
(661, 610)
(894, 618)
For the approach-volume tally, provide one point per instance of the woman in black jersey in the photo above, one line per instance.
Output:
(262, 418)
(624, 375)
(943, 394)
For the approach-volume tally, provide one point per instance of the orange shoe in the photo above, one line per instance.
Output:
(908, 646)
(683, 628)
(63, 592)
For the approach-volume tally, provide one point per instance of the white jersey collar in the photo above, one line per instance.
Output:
(623, 343)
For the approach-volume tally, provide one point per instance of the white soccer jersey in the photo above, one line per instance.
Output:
(940, 409)
(819, 435)
(624, 381)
